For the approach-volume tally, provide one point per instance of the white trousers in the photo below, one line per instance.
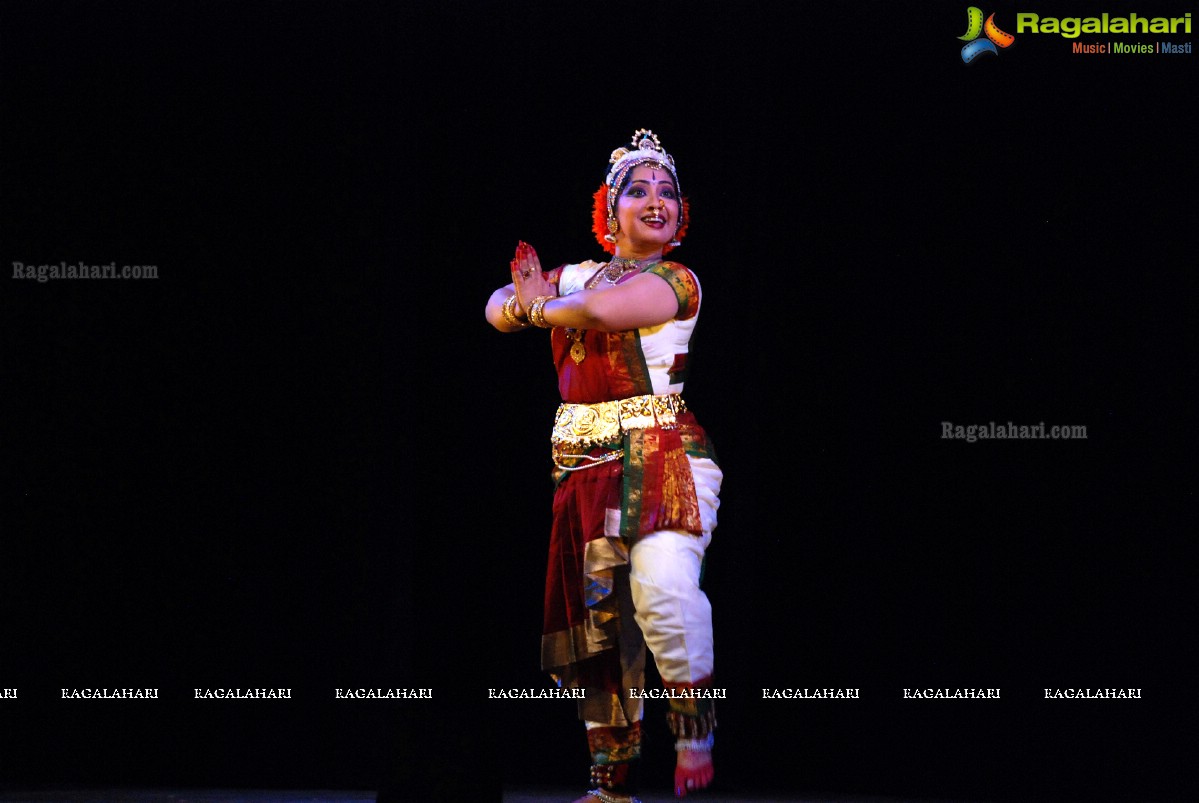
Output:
(672, 614)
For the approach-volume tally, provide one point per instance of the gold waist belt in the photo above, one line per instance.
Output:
(579, 427)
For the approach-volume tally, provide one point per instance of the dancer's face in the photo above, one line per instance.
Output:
(648, 212)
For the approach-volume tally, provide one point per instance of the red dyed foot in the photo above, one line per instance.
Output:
(693, 771)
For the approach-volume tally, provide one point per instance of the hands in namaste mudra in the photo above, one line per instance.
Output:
(527, 277)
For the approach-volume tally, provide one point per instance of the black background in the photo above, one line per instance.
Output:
(300, 458)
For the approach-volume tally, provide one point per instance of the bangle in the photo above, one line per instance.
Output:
(537, 312)
(508, 310)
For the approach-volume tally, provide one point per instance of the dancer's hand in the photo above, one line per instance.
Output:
(527, 277)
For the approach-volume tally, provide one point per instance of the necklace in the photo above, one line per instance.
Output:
(578, 352)
(616, 267)
(612, 273)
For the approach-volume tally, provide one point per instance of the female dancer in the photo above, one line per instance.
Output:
(636, 484)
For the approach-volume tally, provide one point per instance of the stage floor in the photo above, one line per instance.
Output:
(567, 795)
(186, 796)
(546, 795)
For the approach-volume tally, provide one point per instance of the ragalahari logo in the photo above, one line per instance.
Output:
(975, 47)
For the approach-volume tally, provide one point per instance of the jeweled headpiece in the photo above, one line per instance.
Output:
(646, 149)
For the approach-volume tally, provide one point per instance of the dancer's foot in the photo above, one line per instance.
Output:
(590, 798)
(693, 771)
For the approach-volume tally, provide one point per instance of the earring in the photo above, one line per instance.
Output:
(613, 227)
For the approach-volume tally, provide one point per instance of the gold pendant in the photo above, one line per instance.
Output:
(578, 352)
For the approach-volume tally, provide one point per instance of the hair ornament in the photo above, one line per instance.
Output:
(646, 147)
